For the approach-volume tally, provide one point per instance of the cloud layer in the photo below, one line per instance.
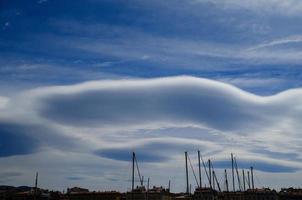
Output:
(159, 118)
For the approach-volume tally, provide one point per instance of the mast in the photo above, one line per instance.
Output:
(199, 168)
(205, 169)
(233, 177)
(210, 174)
(169, 185)
(238, 176)
(214, 174)
(243, 177)
(36, 186)
(248, 179)
(213, 181)
(147, 193)
(193, 171)
(187, 175)
(133, 165)
(138, 171)
(148, 184)
(226, 180)
(252, 173)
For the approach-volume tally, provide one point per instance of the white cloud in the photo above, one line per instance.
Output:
(3, 102)
(289, 7)
(134, 45)
(42, 1)
(159, 118)
(199, 101)
(277, 42)
(6, 25)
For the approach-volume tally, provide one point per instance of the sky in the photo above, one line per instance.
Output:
(85, 83)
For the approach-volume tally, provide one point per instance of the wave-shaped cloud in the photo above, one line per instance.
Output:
(178, 100)
(160, 118)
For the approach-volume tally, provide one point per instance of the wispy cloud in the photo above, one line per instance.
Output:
(42, 1)
(290, 7)
(282, 41)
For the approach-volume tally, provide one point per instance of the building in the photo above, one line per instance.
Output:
(290, 194)
(110, 195)
(182, 196)
(263, 194)
(205, 194)
(155, 193)
(158, 193)
(139, 193)
(232, 196)
(77, 190)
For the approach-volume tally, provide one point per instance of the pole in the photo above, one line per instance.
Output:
(248, 179)
(169, 186)
(226, 180)
(199, 169)
(148, 184)
(214, 174)
(210, 174)
(238, 176)
(205, 169)
(243, 177)
(187, 175)
(147, 193)
(233, 177)
(133, 160)
(252, 173)
(142, 181)
(36, 186)
(213, 181)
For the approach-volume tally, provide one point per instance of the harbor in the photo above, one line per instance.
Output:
(241, 186)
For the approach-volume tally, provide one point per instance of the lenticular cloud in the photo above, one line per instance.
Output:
(178, 100)
(156, 116)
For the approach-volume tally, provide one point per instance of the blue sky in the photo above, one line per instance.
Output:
(79, 89)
